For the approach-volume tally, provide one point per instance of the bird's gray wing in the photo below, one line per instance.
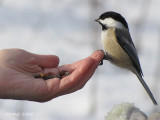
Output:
(125, 41)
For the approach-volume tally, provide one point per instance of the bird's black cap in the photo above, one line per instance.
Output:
(115, 16)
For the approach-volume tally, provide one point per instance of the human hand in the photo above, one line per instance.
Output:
(17, 68)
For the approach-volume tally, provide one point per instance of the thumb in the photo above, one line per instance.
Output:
(47, 61)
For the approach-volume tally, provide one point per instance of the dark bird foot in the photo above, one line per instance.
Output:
(101, 63)
(106, 57)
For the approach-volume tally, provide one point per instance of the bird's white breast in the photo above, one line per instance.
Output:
(113, 49)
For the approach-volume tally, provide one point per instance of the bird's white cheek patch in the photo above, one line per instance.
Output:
(110, 22)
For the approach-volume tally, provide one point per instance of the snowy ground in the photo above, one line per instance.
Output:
(63, 27)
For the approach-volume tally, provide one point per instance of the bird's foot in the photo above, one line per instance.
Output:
(101, 62)
(106, 57)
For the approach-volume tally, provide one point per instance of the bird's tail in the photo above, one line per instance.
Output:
(146, 88)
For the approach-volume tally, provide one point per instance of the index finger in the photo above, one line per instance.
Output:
(83, 73)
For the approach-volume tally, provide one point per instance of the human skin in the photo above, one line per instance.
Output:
(18, 67)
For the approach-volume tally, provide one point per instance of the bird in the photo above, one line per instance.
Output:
(118, 46)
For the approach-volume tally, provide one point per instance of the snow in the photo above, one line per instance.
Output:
(63, 28)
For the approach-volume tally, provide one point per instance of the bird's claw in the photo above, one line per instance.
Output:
(106, 57)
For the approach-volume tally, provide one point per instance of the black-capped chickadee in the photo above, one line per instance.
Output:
(118, 46)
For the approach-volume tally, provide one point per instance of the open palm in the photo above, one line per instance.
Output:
(17, 68)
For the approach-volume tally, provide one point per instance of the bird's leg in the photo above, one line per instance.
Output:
(106, 57)
(101, 62)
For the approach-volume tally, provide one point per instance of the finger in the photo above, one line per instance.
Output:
(69, 67)
(97, 57)
(85, 65)
(77, 79)
(47, 61)
(73, 79)
(53, 87)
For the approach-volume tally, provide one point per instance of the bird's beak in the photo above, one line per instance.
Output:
(97, 20)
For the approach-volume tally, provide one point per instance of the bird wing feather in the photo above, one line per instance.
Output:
(125, 41)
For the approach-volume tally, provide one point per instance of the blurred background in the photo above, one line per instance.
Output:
(67, 29)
